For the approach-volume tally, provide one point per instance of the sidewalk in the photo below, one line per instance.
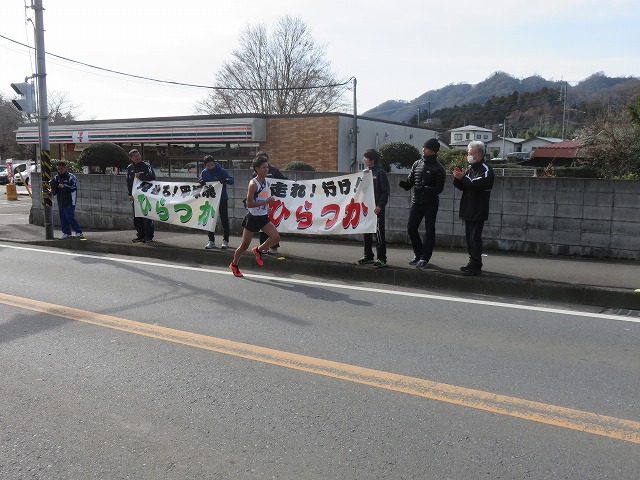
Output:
(603, 283)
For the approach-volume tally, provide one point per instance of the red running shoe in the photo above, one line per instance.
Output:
(236, 271)
(258, 256)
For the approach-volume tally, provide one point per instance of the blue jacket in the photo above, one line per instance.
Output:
(218, 174)
(66, 196)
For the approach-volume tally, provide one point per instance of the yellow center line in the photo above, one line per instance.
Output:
(583, 421)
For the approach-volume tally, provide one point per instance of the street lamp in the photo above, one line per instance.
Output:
(428, 112)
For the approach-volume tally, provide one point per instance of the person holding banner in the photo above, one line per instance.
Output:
(213, 172)
(144, 172)
(258, 199)
(381, 191)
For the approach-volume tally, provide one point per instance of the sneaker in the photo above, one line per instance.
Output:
(236, 271)
(258, 254)
(465, 268)
(65, 236)
(80, 235)
(365, 260)
(225, 244)
(422, 264)
(210, 245)
(379, 263)
(138, 240)
(472, 272)
(414, 261)
(272, 251)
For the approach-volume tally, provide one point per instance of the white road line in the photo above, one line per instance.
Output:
(325, 284)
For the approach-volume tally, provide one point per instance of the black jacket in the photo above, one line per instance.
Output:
(476, 186)
(427, 178)
(146, 174)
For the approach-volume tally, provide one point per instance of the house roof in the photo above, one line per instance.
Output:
(566, 149)
(468, 128)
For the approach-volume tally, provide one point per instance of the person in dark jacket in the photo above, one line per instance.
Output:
(427, 178)
(144, 172)
(476, 185)
(64, 185)
(213, 172)
(381, 194)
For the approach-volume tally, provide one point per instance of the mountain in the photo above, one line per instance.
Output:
(596, 88)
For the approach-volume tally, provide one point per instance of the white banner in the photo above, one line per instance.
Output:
(189, 205)
(325, 206)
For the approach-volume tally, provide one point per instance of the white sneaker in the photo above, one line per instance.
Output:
(79, 235)
(225, 244)
(272, 251)
(65, 236)
(210, 245)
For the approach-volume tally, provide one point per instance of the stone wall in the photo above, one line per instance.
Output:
(558, 216)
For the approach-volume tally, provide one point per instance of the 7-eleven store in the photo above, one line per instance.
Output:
(174, 146)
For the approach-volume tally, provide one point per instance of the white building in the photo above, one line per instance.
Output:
(461, 136)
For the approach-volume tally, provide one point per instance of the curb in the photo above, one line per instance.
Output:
(429, 279)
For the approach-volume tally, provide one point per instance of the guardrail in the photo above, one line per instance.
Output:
(514, 172)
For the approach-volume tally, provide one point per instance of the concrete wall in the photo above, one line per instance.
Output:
(558, 216)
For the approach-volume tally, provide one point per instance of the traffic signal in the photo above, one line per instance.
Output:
(26, 103)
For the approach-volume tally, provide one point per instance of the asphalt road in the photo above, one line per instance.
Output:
(129, 368)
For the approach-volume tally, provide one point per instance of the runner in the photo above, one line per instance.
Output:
(258, 198)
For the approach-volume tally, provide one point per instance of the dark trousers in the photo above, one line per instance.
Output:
(68, 219)
(473, 232)
(223, 210)
(381, 244)
(144, 227)
(422, 248)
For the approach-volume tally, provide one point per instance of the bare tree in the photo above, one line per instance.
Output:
(60, 107)
(612, 144)
(278, 73)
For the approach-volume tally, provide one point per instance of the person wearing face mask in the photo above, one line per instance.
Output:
(476, 185)
(427, 178)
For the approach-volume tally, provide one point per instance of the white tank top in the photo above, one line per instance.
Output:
(261, 195)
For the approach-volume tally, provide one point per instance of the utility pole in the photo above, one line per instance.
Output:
(504, 134)
(355, 124)
(563, 93)
(43, 115)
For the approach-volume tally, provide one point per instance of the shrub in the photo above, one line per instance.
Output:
(104, 155)
(400, 154)
(298, 166)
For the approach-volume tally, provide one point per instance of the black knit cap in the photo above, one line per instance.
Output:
(432, 144)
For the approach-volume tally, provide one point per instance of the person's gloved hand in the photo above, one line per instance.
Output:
(203, 183)
(405, 184)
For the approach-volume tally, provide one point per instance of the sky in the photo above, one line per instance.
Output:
(397, 50)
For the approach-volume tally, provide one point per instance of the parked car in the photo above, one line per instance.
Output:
(3, 175)
(25, 170)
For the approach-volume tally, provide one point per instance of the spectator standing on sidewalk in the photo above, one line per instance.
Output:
(258, 199)
(273, 173)
(476, 185)
(427, 178)
(64, 186)
(213, 172)
(381, 191)
(144, 172)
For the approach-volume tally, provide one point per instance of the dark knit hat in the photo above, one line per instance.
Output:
(432, 144)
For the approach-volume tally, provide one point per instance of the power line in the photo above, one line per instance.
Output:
(169, 82)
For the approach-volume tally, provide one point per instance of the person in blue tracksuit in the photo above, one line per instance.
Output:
(381, 191)
(213, 172)
(64, 186)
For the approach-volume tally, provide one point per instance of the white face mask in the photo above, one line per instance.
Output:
(471, 160)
